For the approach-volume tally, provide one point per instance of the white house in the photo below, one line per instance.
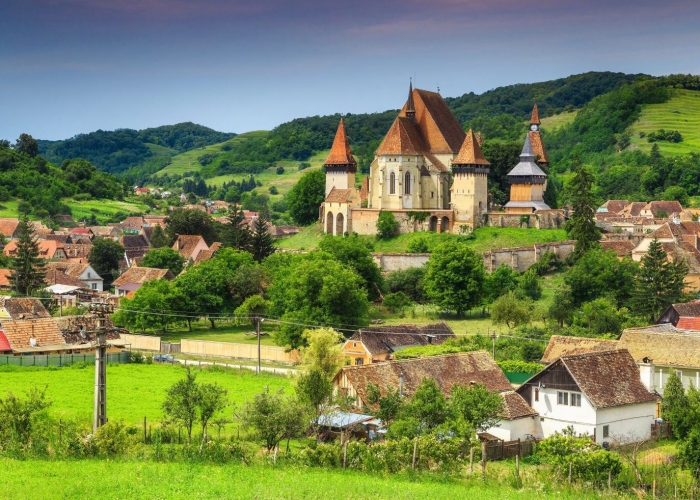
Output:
(81, 271)
(600, 394)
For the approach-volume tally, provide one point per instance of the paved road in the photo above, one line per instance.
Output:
(192, 362)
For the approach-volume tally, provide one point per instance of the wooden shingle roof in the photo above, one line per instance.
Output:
(339, 195)
(20, 308)
(560, 345)
(515, 406)
(535, 117)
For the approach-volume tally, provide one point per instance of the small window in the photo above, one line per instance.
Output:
(606, 431)
(562, 398)
(432, 195)
(94, 286)
(354, 344)
(407, 183)
(359, 361)
(537, 394)
(575, 399)
(392, 183)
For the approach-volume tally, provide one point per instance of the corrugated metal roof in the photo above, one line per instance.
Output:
(341, 419)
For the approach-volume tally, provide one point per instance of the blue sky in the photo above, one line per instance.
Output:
(75, 66)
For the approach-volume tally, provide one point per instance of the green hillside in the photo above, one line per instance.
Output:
(681, 112)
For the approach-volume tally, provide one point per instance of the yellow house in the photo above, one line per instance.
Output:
(379, 343)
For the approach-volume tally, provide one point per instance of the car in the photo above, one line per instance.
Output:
(164, 358)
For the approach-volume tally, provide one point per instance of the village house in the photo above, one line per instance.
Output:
(599, 394)
(8, 227)
(21, 308)
(685, 316)
(49, 250)
(83, 272)
(32, 336)
(140, 191)
(379, 343)
(135, 247)
(82, 231)
(189, 246)
(134, 277)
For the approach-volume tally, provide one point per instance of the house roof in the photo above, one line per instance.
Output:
(664, 344)
(81, 230)
(186, 244)
(667, 206)
(47, 248)
(403, 137)
(515, 406)
(44, 330)
(340, 150)
(527, 166)
(470, 152)
(19, 308)
(140, 275)
(689, 324)
(535, 117)
(72, 269)
(339, 195)
(104, 231)
(4, 343)
(687, 309)
(5, 278)
(633, 209)
(560, 345)
(446, 370)
(621, 247)
(8, 226)
(613, 206)
(381, 339)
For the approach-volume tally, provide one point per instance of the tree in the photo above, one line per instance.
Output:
(387, 225)
(659, 282)
(251, 308)
(104, 258)
(598, 273)
(676, 193)
(154, 296)
(182, 402)
(212, 398)
(159, 238)
(510, 310)
(356, 253)
(675, 406)
(530, 284)
(306, 197)
(164, 258)
(473, 409)
(272, 417)
(323, 351)
(561, 309)
(27, 144)
(315, 289)
(236, 233)
(193, 222)
(501, 281)
(428, 407)
(455, 278)
(408, 281)
(261, 243)
(315, 390)
(581, 227)
(27, 269)
(600, 316)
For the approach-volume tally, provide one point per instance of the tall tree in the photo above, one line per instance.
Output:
(261, 243)
(455, 278)
(473, 409)
(306, 196)
(27, 269)
(159, 238)
(27, 144)
(659, 282)
(581, 227)
(236, 233)
(356, 253)
(104, 258)
(191, 221)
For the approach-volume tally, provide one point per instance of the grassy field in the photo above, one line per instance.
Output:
(486, 239)
(103, 209)
(134, 391)
(222, 333)
(131, 479)
(160, 150)
(681, 112)
(552, 123)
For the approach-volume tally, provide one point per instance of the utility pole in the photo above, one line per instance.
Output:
(99, 416)
(257, 330)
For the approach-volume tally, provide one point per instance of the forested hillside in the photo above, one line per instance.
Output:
(116, 151)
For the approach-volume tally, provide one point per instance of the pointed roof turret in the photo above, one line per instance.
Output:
(410, 107)
(527, 166)
(470, 152)
(340, 154)
(535, 118)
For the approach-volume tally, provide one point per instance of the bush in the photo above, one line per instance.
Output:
(273, 190)
(419, 245)
(136, 357)
(280, 170)
(408, 281)
(387, 225)
(396, 302)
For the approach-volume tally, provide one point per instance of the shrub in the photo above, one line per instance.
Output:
(396, 302)
(280, 170)
(273, 190)
(136, 357)
(419, 245)
(387, 225)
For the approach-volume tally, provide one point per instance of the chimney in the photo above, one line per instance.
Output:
(401, 384)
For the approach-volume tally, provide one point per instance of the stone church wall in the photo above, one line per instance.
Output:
(541, 219)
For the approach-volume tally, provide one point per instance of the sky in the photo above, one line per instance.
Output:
(74, 66)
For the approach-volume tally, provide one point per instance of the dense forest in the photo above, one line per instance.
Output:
(116, 151)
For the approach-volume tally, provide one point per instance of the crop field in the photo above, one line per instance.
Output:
(103, 209)
(486, 239)
(681, 112)
(131, 479)
(134, 391)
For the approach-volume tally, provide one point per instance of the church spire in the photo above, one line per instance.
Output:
(535, 118)
(527, 154)
(470, 153)
(340, 154)
(410, 107)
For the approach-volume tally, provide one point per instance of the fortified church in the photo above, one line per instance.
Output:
(432, 176)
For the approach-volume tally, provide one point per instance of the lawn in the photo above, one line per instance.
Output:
(134, 391)
(552, 123)
(132, 479)
(486, 239)
(681, 112)
(222, 333)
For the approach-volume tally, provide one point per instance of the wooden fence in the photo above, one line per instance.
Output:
(500, 450)
(141, 342)
(661, 430)
(240, 351)
(170, 347)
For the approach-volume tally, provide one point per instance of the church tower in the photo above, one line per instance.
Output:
(536, 140)
(527, 183)
(340, 166)
(469, 190)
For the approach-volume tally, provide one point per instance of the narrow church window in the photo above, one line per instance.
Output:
(392, 183)
(432, 195)
(407, 183)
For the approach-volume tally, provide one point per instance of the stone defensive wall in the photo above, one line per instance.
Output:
(541, 219)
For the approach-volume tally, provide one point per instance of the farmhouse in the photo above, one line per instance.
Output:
(379, 343)
(597, 393)
(134, 277)
(81, 274)
(189, 246)
(560, 345)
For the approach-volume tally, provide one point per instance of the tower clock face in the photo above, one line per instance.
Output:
(534, 127)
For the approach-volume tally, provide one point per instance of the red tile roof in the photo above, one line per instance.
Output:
(340, 151)
(8, 226)
(44, 330)
(470, 152)
(440, 128)
(5, 278)
(689, 324)
(535, 118)
(339, 195)
(538, 147)
(4, 344)
(402, 138)
(141, 275)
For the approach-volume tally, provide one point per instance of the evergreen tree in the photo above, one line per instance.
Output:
(581, 227)
(236, 234)
(27, 269)
(675, 406)
(659, 282)
(261, 241)
(159, 238)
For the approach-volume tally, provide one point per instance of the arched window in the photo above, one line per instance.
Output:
(392, 183)
(407, 183)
